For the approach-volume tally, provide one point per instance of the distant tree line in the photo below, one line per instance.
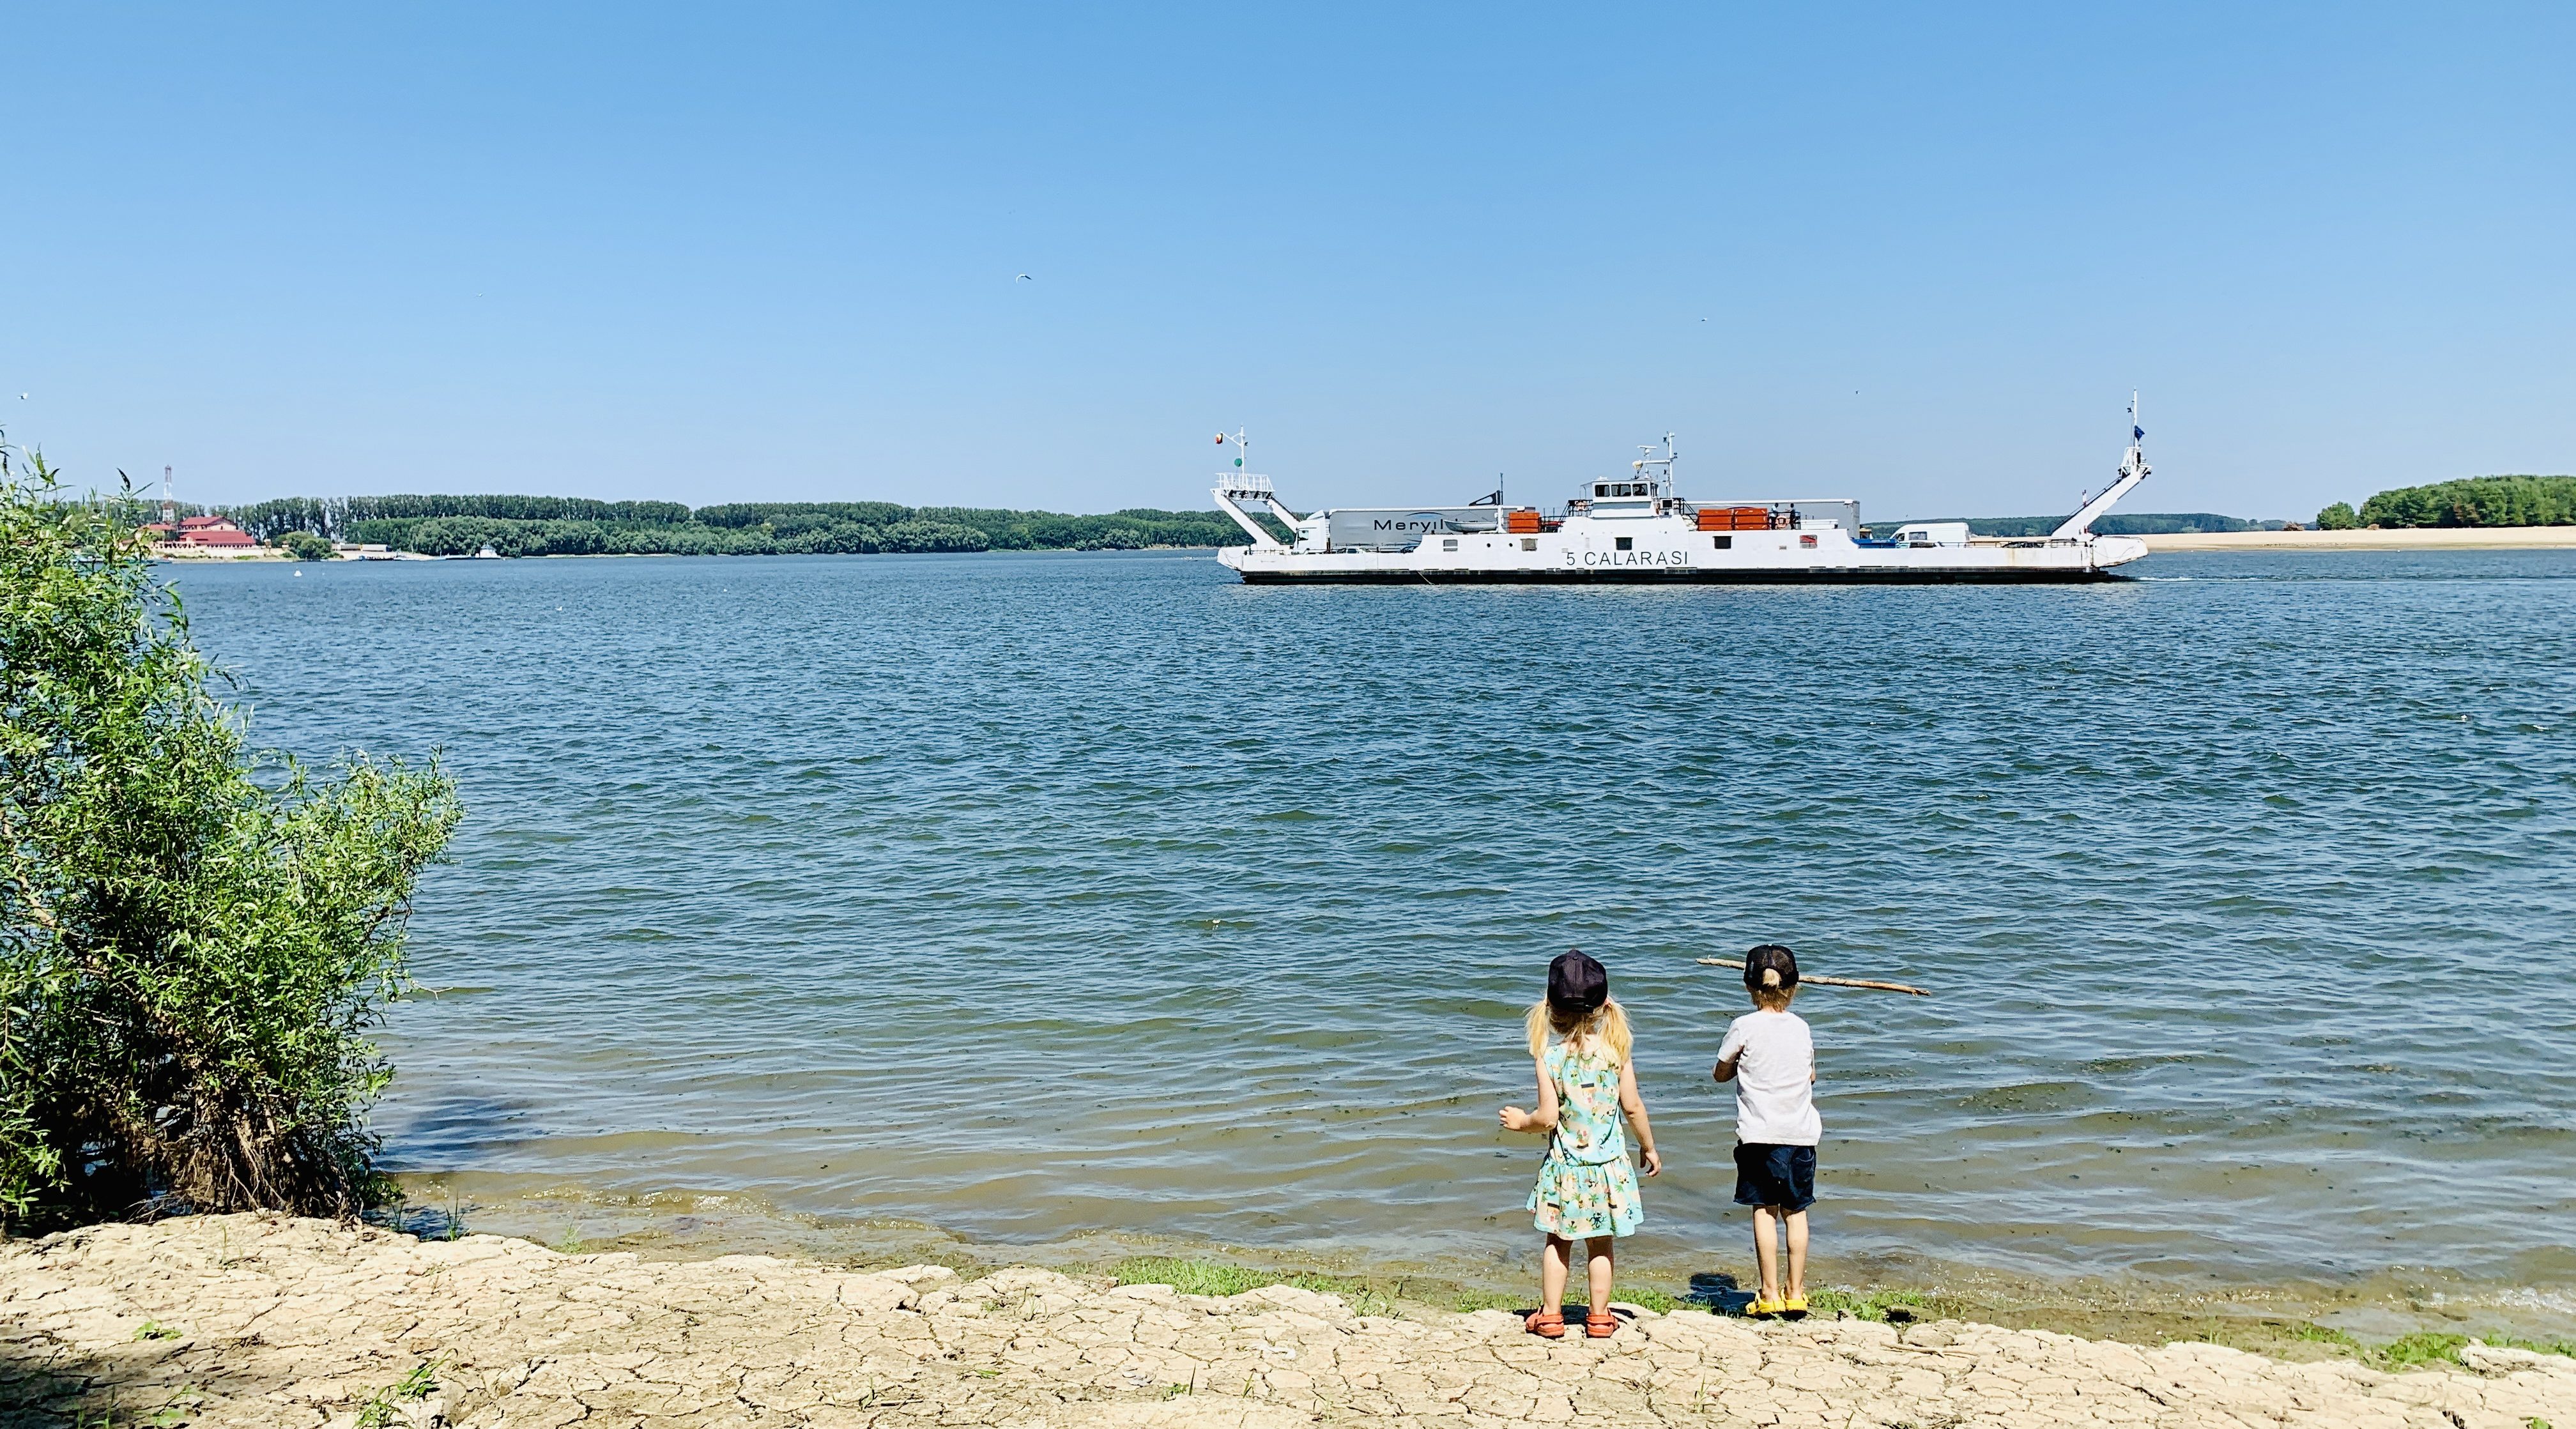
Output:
(2470, 501)
(2151, 523)
(578, 526)
(332, 516)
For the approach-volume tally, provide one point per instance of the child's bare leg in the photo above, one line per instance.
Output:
(1551, 1273)
(1797, 1255)
(1598, 1274)
(1766, 1249)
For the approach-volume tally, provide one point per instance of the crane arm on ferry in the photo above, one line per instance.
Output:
(2132, 471)
(1226, 499)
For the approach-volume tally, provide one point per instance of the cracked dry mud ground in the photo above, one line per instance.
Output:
(247, 1320)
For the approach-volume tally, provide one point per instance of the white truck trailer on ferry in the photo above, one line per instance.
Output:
(1635, 529)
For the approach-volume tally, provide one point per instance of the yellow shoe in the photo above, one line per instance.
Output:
(1762, 1309)
(1793, 1308)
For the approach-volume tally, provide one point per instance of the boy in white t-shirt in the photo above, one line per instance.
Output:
(1770, 1057)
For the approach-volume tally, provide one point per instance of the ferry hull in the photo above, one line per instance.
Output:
(1682, 577)
(1666, 552)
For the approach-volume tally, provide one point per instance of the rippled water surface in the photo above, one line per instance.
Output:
(1028, 895)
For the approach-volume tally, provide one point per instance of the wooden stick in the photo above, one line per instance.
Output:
(1805, 978)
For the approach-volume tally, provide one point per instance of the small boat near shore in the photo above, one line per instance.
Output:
(1637, 528)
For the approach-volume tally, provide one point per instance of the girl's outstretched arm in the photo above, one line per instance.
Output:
(1543, 1119)
(1634, 1104)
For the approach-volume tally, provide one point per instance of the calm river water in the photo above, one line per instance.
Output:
(1030, 895)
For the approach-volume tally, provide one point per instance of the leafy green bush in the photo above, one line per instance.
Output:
(2338, 517)
(305, 546)
(193, 946)
(2477, 501)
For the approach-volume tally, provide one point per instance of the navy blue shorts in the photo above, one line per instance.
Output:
(1768, 1175)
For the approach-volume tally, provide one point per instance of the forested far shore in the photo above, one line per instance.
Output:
(579, 526)
(2150, 523)
(509, 525)
(2469, 501)
(2472, 501)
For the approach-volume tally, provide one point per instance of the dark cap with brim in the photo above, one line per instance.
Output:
(1770, 958)
(1577, 984)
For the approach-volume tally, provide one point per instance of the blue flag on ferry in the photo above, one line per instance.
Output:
(2137, 433)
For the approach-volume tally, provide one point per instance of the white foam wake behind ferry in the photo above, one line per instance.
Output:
(1634, 528)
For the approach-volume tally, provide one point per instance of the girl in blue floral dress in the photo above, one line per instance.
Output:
(1586, 1190)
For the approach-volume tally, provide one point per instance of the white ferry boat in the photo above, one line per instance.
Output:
(1636, 529)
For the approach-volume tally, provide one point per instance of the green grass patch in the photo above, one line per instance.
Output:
(2326, 1335)
(2538, 1347)
(2426, 1347)
(1877, 1306)
(381, 1407)
(154, 1330)
(1369, 1296)
(1192, 1277)
(2421, 1348)
(1216, 1277)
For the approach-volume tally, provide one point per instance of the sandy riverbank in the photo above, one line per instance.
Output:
(2473, 538)
(2282, 1316)
(244, 1320)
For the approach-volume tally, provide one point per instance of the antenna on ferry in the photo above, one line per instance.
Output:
(1646, 457)
(2137, 439)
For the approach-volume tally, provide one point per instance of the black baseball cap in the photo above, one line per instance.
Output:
(1577, 983)
(1770, 957)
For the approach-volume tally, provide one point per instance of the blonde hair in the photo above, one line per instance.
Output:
(1771, 996)
(1603, 1026)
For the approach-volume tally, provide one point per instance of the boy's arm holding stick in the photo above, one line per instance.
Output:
(1828, 981)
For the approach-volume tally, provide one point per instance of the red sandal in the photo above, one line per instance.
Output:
(1600, 1324)
(1546, 1324)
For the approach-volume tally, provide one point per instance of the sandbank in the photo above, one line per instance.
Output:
(253, 1320)
(2430, 538)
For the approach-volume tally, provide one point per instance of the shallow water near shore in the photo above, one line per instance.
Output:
(1043, 896)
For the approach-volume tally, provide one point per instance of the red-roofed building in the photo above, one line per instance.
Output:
(211, 532)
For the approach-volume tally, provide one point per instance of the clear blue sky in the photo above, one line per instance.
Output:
(708, 253)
